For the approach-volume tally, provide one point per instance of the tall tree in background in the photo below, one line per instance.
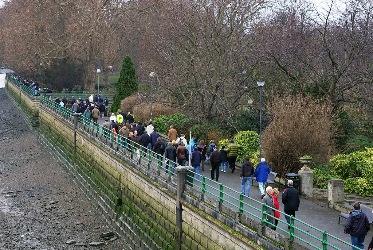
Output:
(127, 83)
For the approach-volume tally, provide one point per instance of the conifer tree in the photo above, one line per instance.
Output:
(126, 85)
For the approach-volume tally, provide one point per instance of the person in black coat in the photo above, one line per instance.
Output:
(290, 199)
(145, 141)
(154, 136)
(170, 155)
(140, 128)
(159, 149)
(224, 159)
(215, 159)
(196, 161)
(247, 170)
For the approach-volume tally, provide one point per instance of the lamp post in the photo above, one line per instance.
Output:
(260, 85)
(152, 75)
(98, 81)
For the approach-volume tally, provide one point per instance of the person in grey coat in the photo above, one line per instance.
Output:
(270, 209)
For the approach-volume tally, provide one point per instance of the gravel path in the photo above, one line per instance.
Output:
(40, 208)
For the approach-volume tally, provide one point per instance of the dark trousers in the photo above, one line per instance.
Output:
(215, 170)
(232, 162)
(288, 213)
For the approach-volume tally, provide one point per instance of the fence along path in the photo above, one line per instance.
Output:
(315, 225)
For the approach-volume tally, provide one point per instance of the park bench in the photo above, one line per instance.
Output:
(365, 209)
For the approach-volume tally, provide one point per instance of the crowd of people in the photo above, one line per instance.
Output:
(86, 107)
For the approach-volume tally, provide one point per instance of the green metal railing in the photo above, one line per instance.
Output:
(146, 160)
(298, 230)
(29, 91)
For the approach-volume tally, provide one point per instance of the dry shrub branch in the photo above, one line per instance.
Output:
(300, 126)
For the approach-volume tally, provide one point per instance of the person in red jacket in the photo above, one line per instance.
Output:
(277, 206)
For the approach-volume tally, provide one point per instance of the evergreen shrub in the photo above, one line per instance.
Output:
(180, 122)
(248, 141)
(356, 169)
(321, 175)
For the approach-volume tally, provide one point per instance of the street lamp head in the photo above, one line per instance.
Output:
(152, 74)
(260, 83)
(98, 71)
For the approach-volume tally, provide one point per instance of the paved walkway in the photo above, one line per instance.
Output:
(315, 213)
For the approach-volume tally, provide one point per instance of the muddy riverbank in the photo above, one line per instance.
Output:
(40, 207)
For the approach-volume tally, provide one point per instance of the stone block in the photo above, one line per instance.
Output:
(335, 191)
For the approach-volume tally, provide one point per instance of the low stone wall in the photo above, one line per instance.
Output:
(29, 104)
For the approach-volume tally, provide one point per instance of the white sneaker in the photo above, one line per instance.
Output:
(222, 170)
(225, 171)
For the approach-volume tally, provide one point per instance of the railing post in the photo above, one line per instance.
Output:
(291, 228)
(240, 211)
(264, 220)
(221, 196)
(76, 118)
(203, 188)
(324, 240)
(182, 172)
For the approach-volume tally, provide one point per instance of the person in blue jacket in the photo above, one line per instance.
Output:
(261, 174)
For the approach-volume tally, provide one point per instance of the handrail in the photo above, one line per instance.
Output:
(223, 194)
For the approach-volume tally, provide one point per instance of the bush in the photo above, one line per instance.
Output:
(142, 111)
(360, 186)
(321, 176)
(299, 126)
(223, 143)
(128, 103)
(180, 122)
(248, 142)
(358, 142)
(357, 171)
(357, 164)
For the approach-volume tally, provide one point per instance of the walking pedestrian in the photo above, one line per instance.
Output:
(95, 114)
(181, 154)
(196, 161)
(215, 160)
(290, 199)
(172, 133)
(224, 159)
(247, 171)
(170, 155)
(232, 152)
(357, 226)
(276, 203)
(203, 149)
(270, 208)
(261, 174)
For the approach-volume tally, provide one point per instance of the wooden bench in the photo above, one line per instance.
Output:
(365, 209)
